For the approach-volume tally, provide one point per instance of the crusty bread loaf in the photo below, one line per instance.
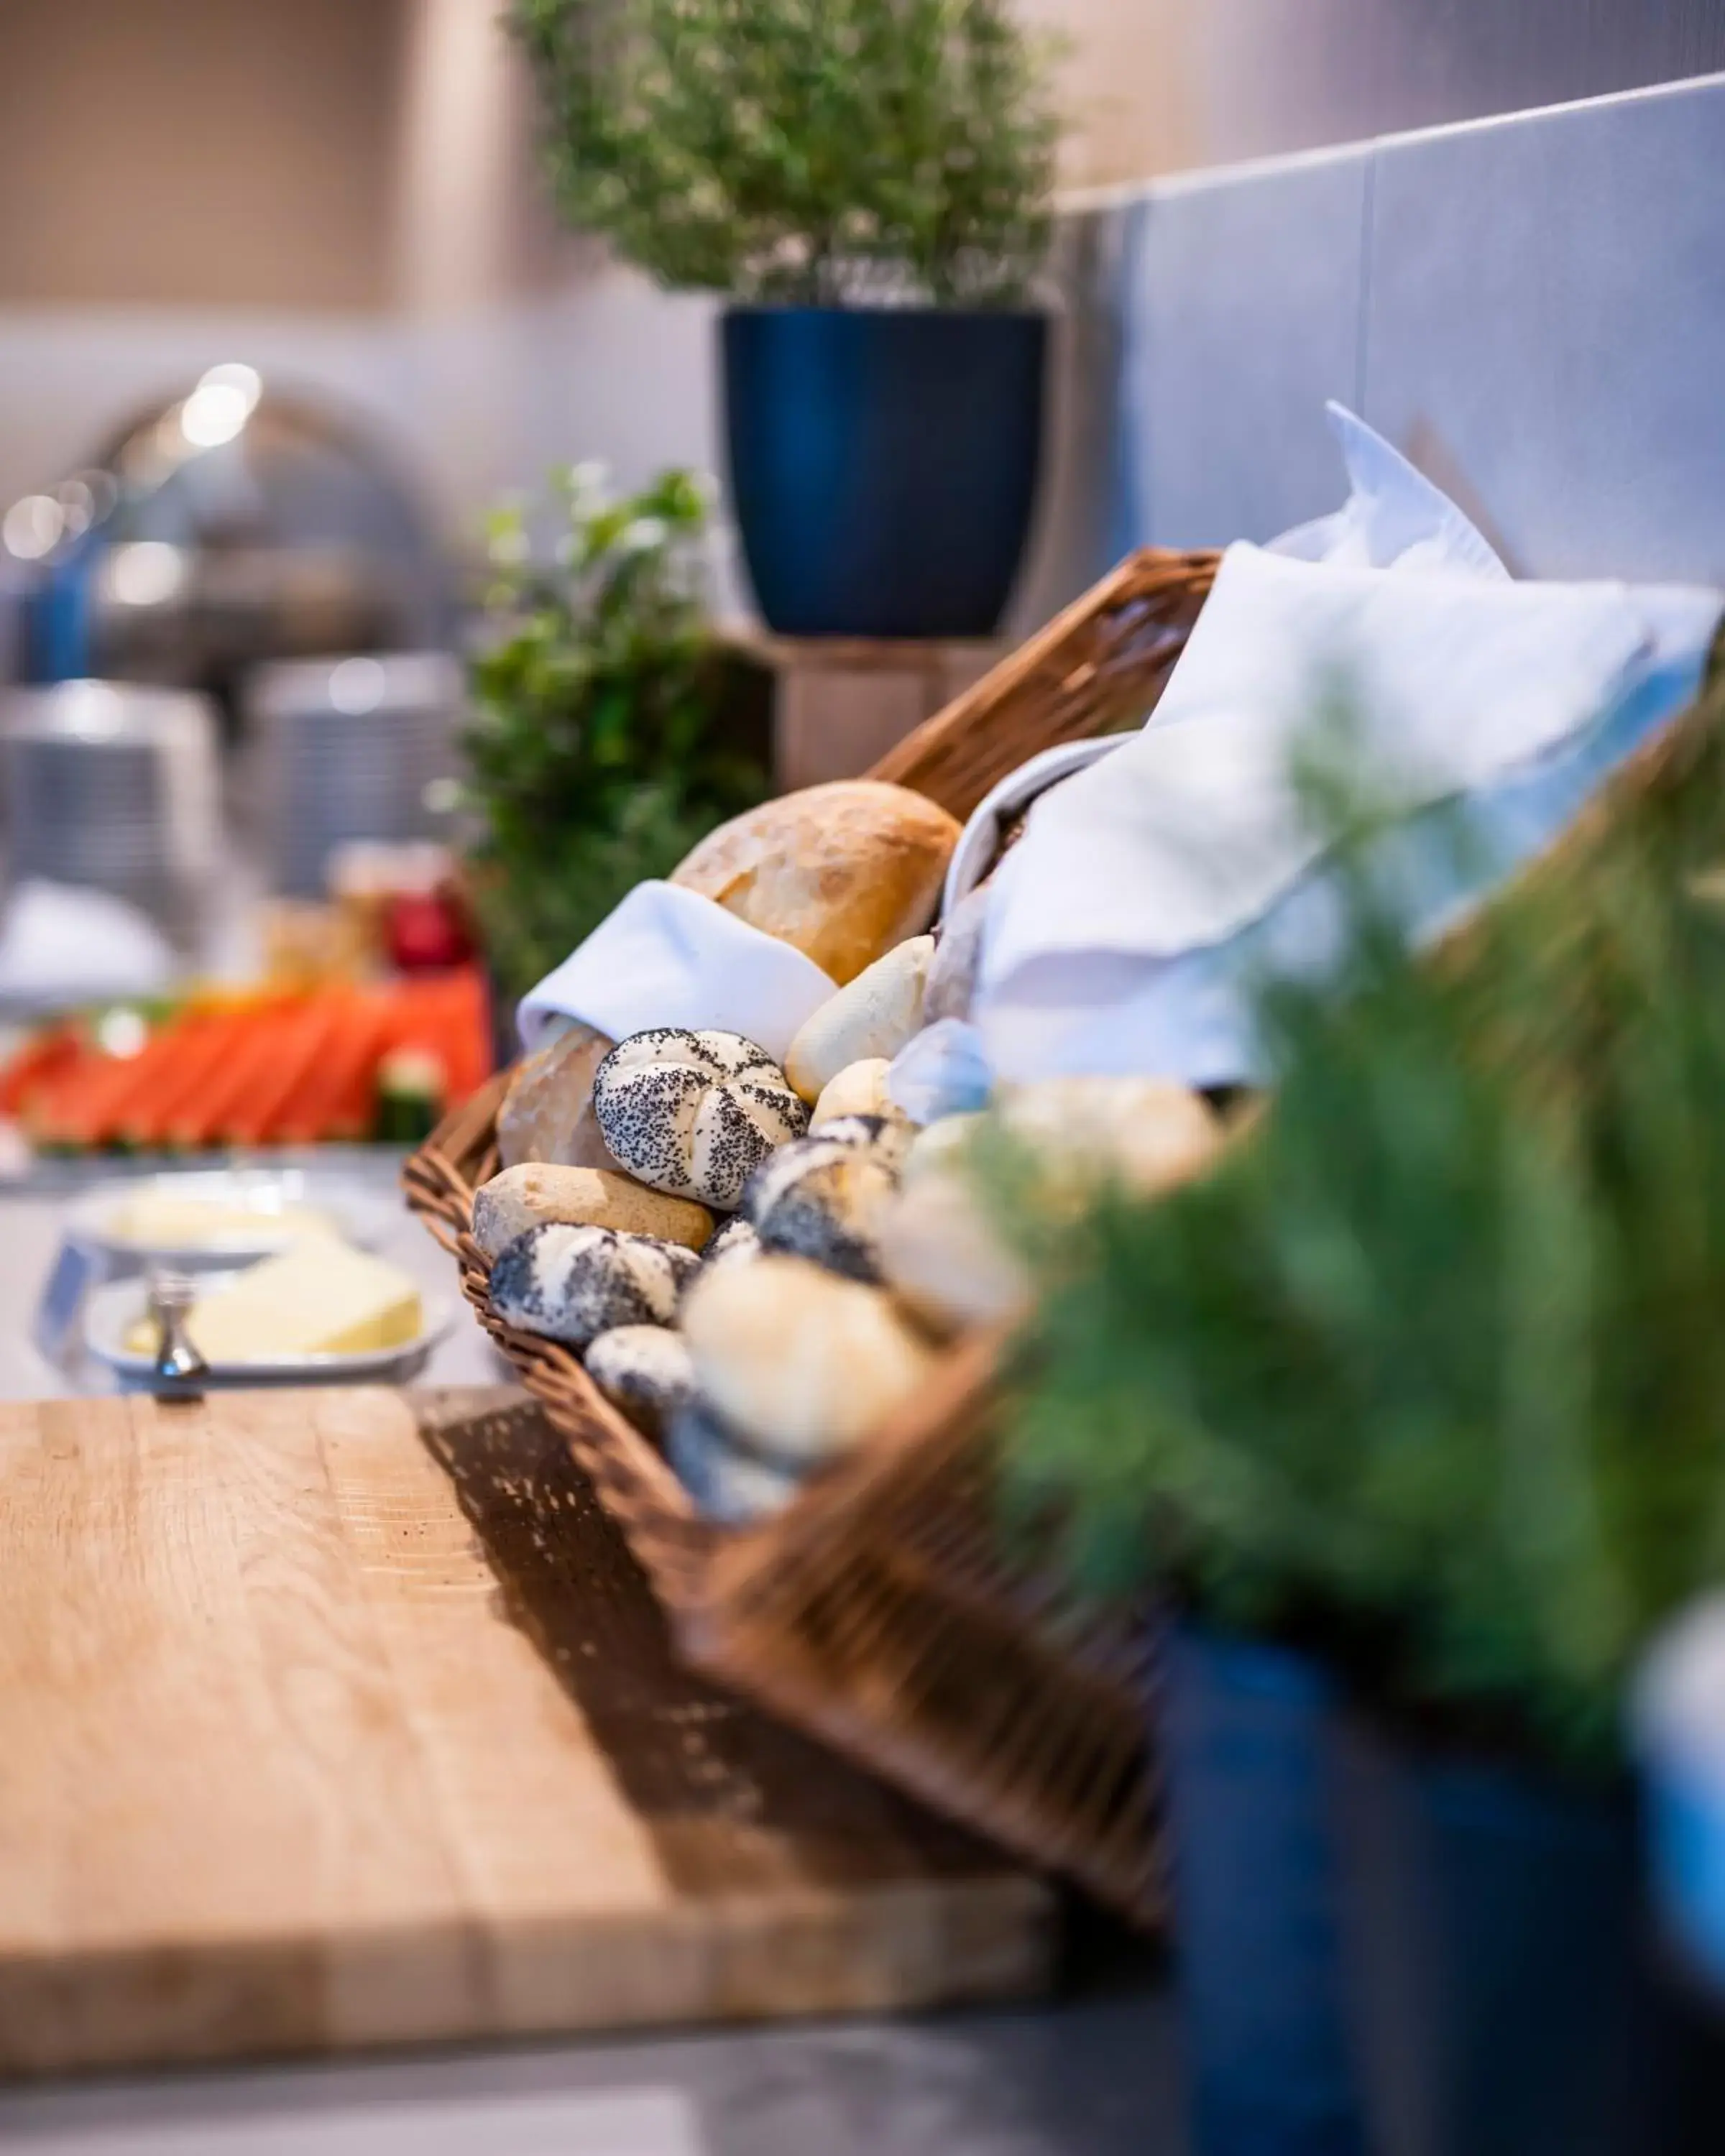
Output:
(520, 1198)
(547, 1112)
(843, 872)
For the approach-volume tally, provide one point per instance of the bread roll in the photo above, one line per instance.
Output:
(946, 1260)
(859, 1089)
(888, 1138)
(939, 1248)
(951, 987)
(843, 872)
(573, 1284)
(823, 1200)
(941, 1144)
(735, 1244)
(875, 1016)
(547, 1112)
(1147, 1132)
(521, 1197)
(727, 1481)
(694, 1113)
(645, 1370)
(796, 1361)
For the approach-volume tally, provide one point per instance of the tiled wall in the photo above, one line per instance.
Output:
(1533, 307)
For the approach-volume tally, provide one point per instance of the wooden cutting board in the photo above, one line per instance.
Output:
(340, 1718)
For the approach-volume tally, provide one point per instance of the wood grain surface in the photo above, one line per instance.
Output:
(340, 1718)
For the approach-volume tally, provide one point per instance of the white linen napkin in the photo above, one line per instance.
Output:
(668, 956)
(1394, 517)
(1193, 829)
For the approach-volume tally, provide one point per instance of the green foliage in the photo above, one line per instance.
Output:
(596, 760)
(814, 151)
(1432, 1369)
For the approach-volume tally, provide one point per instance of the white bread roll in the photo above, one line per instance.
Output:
(941, 1144)
(945, 1259)
(1147, 1132)
(521, 1197)
(875, 1016)
(798, 1361)
(859, 1089)
(693, 1113)
(843, 871)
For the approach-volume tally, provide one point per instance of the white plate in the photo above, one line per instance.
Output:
(111, 1312)
(363, 1216)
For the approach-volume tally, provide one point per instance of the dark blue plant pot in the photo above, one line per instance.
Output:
(1245, 1733)
(883, 464)
(1506, 1994)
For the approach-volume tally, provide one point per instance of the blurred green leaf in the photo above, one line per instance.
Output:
(595, 759)
(818, 152)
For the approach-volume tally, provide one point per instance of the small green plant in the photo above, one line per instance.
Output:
(1431, 1371)
(596, 758)
(814, 151)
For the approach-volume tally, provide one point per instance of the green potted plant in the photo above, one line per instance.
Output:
(1418, 1402)
(867, 183)
(599, 752)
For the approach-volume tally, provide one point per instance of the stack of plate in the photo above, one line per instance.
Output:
(115, 786)
(349, 749)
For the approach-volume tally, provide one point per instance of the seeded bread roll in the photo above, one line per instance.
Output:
(888, 1138)
(781, 1170)
(843, 872)
(796, 1361)
(644, 1370)
(735, 1244)
(693, 1113)
(832, 1214)
(547, 1112)
(522, 1197)
(573, 1284)
(874, 1016)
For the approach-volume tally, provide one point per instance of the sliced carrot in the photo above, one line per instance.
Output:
(334, 1101)
(196, 1047)
(82, 1111)
(206, 1117)
(303, 1047)
(44, 1056)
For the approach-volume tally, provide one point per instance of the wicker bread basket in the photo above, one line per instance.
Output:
(873, 1611)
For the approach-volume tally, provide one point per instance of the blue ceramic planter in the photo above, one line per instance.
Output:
(883, 464)
(1244, 1734)
(1507, 1995)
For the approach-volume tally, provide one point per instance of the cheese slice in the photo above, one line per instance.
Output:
(319, 1298)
